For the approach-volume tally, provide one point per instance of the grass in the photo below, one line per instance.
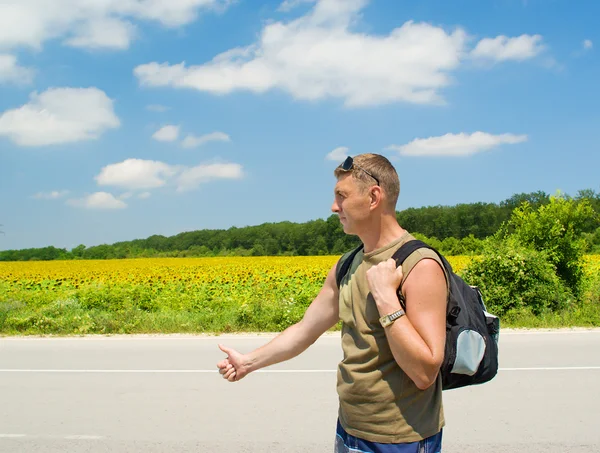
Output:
(582, 314)
(122, 309)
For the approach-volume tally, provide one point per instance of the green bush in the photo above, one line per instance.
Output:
(556, 229)
(514, 277)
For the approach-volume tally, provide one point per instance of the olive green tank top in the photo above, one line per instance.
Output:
(378, 401)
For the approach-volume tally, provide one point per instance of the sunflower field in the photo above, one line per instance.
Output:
(229, 294)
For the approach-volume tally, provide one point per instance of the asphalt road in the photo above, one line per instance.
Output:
(163, 394)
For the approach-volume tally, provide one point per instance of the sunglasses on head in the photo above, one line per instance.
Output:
(348, 164)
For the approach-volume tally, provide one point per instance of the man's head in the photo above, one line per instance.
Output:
(370, 169)
(366, 183)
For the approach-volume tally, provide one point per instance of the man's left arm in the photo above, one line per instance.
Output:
(417, 339)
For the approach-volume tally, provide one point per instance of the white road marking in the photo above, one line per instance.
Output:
(83, 437)
(548, 332)
(334, 335)
(553, 368)
(70, 437)
(16, 370)
(104, 371)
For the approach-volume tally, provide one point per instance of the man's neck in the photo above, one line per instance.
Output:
(382, 234)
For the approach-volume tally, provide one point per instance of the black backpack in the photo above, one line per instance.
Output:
(471, 352)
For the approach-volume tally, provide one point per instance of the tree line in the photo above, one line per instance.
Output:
(454, 230)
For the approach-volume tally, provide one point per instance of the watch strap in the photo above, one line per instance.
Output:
(390, 318)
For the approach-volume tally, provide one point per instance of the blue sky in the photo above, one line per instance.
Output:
(120, 119)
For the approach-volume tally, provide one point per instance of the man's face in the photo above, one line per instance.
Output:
(351, 204)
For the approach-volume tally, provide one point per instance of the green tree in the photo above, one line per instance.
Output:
(593, 199)
(79, 251)
(535, 199)
(450, 229)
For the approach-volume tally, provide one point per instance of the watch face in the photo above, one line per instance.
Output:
(389, 319)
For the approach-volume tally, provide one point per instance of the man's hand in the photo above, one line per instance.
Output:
(234, 367)
(384, 279)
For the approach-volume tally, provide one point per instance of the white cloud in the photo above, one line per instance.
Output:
(289, 5)
(60, 115)
(167, 133)
(136, 174)
(98, 200)
(191, 178)
(10, 71)
(157, 108)
(127, 195)
(456, 144)
(54, 195)
(102, 33)
(503, 48)
(586, 46)
(91, 23)
(318, 56)
(338, 154)
(191, 141)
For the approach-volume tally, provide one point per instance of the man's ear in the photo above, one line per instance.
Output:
(376, 195)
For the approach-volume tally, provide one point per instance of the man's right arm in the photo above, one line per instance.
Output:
(321, 315)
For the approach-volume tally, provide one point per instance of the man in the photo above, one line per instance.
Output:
(389, 387)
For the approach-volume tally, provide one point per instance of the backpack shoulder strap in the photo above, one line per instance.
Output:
(344, 263)
(408, 248)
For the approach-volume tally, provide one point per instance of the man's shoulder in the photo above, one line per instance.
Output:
(427, 261)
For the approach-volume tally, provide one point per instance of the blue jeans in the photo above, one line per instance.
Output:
(345, 443)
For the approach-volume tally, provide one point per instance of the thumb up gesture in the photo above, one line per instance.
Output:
(233, 368)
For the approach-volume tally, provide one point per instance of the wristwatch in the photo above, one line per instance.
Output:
(389, 319)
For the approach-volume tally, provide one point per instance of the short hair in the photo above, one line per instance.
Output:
(381, 168)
